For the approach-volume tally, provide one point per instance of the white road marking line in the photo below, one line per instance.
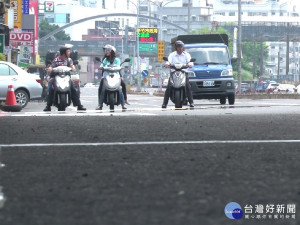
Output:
(149, 143)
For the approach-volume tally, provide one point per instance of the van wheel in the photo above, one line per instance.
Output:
(231, 99)
(223, 100)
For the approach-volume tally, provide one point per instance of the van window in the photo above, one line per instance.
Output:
(209, 55)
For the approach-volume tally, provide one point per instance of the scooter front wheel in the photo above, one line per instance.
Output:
(63, 102)
(111, 101)
(178, 102)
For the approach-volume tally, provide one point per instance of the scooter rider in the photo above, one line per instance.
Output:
(62, 60)
(179, 56)
(110, 59)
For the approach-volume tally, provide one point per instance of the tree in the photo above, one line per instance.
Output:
(2, 57)
(45, 28)
(247, 52)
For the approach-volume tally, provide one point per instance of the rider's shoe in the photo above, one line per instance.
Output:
(99, 107)
(81, 108)
(164, 106)
(123, 107)
(192, 105)
(47, 108)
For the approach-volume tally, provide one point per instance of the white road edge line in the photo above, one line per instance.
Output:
(149, 143)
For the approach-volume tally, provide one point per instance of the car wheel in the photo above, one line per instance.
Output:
(22, 97)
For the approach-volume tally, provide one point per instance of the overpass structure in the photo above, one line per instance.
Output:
(250, 32)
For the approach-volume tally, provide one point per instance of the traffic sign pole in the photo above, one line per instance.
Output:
(2, 41)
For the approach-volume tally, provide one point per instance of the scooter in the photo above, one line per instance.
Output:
(112, 84)
(178, 83)
(62, 87)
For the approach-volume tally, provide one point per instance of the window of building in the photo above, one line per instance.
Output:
(232, 14)
(60, 18)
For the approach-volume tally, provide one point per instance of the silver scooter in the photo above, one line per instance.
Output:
(112, 84)
(62, 87)
(178, 83)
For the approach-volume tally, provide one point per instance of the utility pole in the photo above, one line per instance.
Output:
(261, 67)
(189, 15)
(254, 59)
(138, 47)
(239, 45)
(287, 65)
(278, 68)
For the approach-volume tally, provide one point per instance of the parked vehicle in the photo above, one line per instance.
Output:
(178, 83)
(261, 87)
(211, 76)
(62, 87)
(26, 85)
(245, 88)
(285, 89)
(271, 87)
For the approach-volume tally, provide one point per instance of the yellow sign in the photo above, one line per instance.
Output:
(148, 30)
(160, 51)
(16, 5)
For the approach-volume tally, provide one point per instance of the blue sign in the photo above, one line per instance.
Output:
(25, 6)
(145, 73)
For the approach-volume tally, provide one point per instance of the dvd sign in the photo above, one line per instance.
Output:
(21, 37)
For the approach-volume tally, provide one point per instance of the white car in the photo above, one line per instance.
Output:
(284, 89)
(26, 85)
(271, 87)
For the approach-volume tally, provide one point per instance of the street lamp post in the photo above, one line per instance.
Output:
(137, 44)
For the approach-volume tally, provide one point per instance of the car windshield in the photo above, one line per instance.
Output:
(209, 55)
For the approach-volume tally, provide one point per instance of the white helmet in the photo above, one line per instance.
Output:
(109, 48)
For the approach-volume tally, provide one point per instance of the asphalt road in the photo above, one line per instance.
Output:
(147, 165)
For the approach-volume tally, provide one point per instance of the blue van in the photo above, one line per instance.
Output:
(212, 75)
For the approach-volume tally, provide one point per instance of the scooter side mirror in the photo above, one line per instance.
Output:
(126, 60)
(165, 58)
(97, 59)
(193, 60)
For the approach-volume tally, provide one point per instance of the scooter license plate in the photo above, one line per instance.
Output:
(208, 83)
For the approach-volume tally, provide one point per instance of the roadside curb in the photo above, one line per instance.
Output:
(138, 92)
(268, 96)
(242, 96)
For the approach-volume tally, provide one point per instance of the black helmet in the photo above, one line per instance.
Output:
(63, 50)
(179, 43)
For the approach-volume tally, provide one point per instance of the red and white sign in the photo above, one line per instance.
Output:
(23, 36)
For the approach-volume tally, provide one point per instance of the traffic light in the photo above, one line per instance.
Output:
(5, 30)
(160, 51)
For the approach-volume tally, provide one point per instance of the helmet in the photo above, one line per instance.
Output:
(63, 50)
(109, 48)
(179, 43)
